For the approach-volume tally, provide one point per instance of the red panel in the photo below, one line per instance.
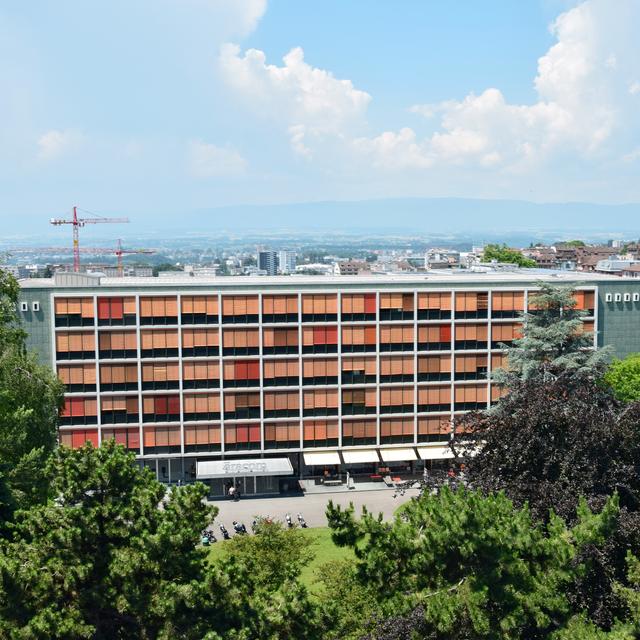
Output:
(254, 433)
(174, 404)
(77, 406)
(241, 371)
(319, 335)
(161, 404)
(121, 436)
(332, 335)
(253, 370)
(92, 437)
(103, 309)
(134, 439)
(242, 433)
(445, 333)
(78, 439)
(66, 409)
(370, 303)
(116, 309)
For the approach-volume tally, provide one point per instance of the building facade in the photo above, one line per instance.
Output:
(364, 375)
(268, 262)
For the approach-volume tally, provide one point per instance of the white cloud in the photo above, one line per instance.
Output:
(57, 143)
(584, 106)
(210, 161)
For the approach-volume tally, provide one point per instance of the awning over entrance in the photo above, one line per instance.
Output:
(364, 455)
(437, 452)
(398, 455)
(208, 469)
(321, 458)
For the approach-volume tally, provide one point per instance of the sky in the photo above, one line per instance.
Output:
(160, 107)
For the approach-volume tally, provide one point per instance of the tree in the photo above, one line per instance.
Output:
(101, 559)
(264, 598)
(553, 342)
(30, 399)
(461, 565)
(623, 376)
(502, 253)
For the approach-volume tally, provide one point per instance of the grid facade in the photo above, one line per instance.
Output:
(194, 373)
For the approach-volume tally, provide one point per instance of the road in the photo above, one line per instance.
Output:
(312, 506)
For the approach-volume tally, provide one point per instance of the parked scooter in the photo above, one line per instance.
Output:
(289, 521)
(224, 532)
(302, 521)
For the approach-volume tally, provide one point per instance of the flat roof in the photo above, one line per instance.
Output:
(436, 276)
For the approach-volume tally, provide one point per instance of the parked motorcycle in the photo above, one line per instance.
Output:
(289, 521)
(302, 521)
(224, 532)
(239, 528)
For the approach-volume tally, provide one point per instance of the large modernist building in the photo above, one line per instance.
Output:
(264, 378)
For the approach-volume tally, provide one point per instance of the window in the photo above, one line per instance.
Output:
(242, 373)
(119, 409)
(319, 339)
(117, 344)
(159, 343)
(199, 309)
(470, 397)
(161, 408)
(159, 310)
(396, 430)
(279, 341)
(396, 400)
(129, 438)
(471, 367)
(434, 368)
(73, 312)
(358, 307)
(282, 435)
(396, 369)
(320, 402)
(160, 376)
(435, 398)
(77, 438)
(161, 440)
(359, 401)
(78, 377)
(396, 306)
(396, 338)
(505, 334)
(585, 301)
(471, 336)
(116, 311)
(118, 377)
(240, 406)
(35, 306)
(507, 304)
(434, 429)
(80, 345)
(240, 342)
(200, 342)
(472, 305)
(281, 373)
(202, 438)
(319, 371)
(358, 339)
(24, 306)
(279, 309)
(356, 432)
(200, 375)
(319, 307)
(497, 392)
(358, 370)
(201, 406)
(281, 404)
(436, 337)
(320, 433)
(434, 306)
(79, 411)
(240, 309)
(238, 437)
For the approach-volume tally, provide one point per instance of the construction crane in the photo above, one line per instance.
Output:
(120, 252)
(81, 222)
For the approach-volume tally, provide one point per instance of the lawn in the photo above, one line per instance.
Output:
(323, 547)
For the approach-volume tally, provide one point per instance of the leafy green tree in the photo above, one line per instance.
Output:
(461, 565)
(502, 253)
(623, 376)
(30, 399)
(553, 342)
(264, 598)
(101, 559)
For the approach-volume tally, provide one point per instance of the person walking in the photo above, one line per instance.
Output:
(232, 492)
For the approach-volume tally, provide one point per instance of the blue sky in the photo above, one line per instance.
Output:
(163, 106)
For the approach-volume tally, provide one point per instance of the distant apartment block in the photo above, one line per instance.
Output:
(286, 262)
(268, 262)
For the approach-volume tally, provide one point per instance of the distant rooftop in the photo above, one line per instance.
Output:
(515, 274)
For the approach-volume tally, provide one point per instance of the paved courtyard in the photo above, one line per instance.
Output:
(312, 506)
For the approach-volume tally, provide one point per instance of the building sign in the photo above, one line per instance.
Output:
(243, 467)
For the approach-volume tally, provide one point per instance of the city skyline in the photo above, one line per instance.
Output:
(152, 111)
